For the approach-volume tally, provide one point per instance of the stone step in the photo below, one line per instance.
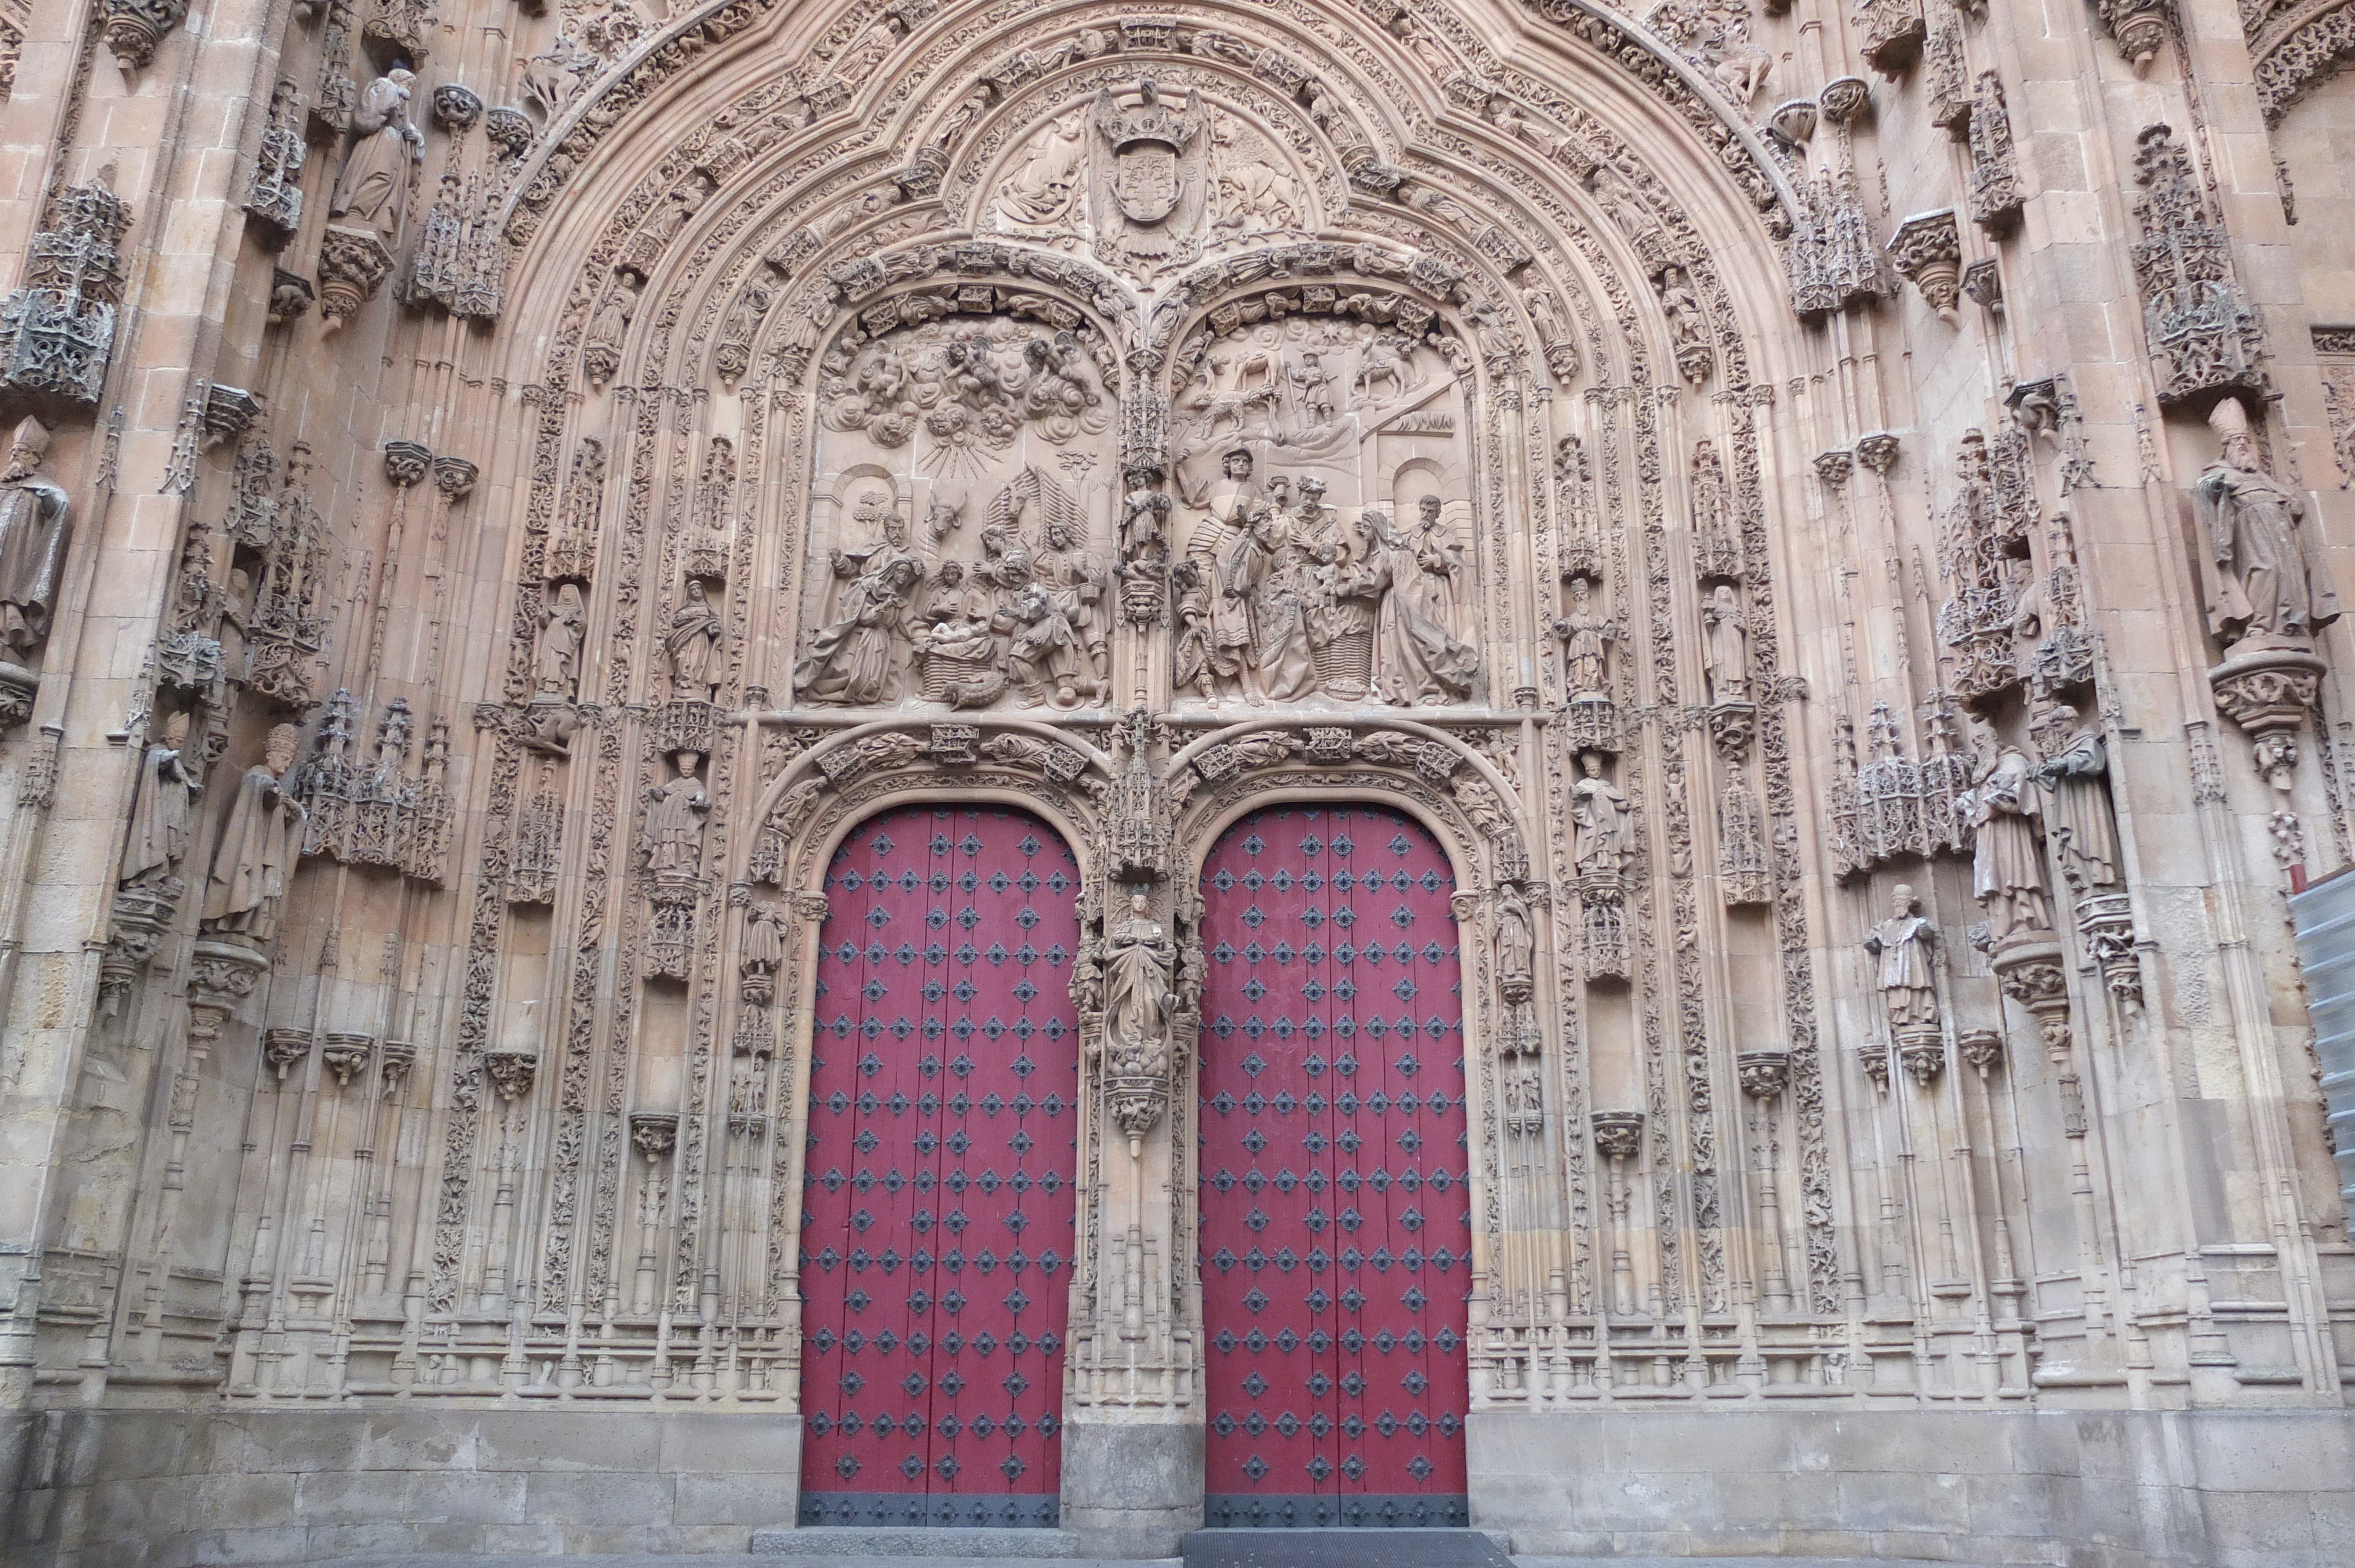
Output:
(1434, 1548)
(909, 1540)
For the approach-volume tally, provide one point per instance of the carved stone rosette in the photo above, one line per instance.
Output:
(2268, 691)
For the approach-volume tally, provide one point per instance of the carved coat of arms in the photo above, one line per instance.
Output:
(1152, 187)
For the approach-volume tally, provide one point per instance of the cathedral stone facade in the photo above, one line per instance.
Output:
(1094, 767)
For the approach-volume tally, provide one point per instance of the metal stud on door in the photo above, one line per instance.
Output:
(1336, 1227)
(938, 1194)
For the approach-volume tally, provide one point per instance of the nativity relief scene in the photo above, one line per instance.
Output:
(1087, 771)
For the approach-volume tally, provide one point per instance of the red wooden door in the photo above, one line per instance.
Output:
(937, 1206)
(1336, 1227)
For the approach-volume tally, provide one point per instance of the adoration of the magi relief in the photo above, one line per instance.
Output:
(1266, 746)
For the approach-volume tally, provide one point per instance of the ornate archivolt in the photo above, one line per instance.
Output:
(878, 450)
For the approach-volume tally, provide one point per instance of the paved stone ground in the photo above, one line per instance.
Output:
(1037, 1562)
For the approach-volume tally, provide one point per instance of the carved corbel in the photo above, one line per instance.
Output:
(456, 107)
(353, 265)
(285, 1049)
(1764, 1073)
(134, 29)
(2030, 972)
(348, 1055)
(221, 974)
(1980, 1049)
(511, 1072)
(1928, 252)
(2138, 27)
(2267, 691)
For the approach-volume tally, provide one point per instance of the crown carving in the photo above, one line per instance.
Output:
(1151, 121)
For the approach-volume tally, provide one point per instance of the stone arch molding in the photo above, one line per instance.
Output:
(720, 219)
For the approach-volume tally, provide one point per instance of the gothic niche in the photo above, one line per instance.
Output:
(961, 531)
(1316, 452)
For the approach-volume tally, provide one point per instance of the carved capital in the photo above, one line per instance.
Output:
(1923, 1054)
(1980, 1049)
(285, 1049)
(2029, 970)
(454, 478)
(400, 1056)
(353, 265)
(2268, 691)
(512, 1071)
(348, 1055)
(456, 107)
(1764, 1073)
(1618, 1135)
(1927, 251)
(653, 1134)
(407, 462)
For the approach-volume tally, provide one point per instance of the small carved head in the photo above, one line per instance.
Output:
(278, 752)
(1590, 763)
(949, 573)
(1581, 592)
(687, 762)
(2229, 421)
(1429, 506)
(28, 448)
(895, 528)
(1139, 904)
(1902, 901)
(1239, 463)
(175, 731)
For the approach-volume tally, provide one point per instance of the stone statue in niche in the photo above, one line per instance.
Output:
(372, 191)
(257, 848)
(855, 659)
(1517, 946)
(1906, 944)
(761, 955)
(556, 662)
(2080, 822)
(1688, 326)
(1586, 634)
(600, 345)
(1139, 961)
(1440, 561)
(163, 809)
(2268, 580)
(1415, 660)
(33, 531)
(675, 810)
(2007, 867)
(1605, 836)
(692, 642)
(1727, 646)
